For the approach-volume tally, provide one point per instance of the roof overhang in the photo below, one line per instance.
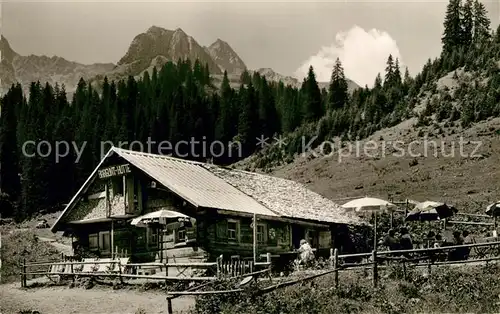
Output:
(96, 220)
(78, 194)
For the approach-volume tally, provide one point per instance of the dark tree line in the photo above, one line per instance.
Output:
(179, 103)
(466, 23)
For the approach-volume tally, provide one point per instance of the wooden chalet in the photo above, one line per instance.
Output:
(221, 202)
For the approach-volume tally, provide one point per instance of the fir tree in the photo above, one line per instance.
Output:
(389, 72)
(397, 74)
(481, 22)
(452, 27)
(268, 116)
(338, 89)
(467, 23)
(248, 119)
(312, 97)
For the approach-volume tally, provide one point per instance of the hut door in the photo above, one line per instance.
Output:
(297, 234)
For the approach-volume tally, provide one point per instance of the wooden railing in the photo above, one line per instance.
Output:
(414, 257)
(116, 268)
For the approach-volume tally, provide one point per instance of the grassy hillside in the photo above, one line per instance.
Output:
(469, 181)
(439, 172)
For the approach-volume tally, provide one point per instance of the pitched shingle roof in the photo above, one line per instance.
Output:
(210, 186)
(285, 197)
(194, 183)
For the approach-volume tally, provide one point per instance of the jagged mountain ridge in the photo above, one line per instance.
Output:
(289, 80)
(27, 69)
(171, 45)
(150, 49)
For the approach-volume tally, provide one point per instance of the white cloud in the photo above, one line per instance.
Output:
(363, 55)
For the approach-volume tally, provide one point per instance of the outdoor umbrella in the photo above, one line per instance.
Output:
(369, 204)
(160, 216)
(430, 210)
(493, 209)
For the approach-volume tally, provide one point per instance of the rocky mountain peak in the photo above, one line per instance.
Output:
(181, 43)
(7, 52)
(171, 45)
(180, 32)
(225, 57)
(155, 30)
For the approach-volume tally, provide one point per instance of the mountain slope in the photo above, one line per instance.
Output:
(470, 181)
(424, 157)
(27, 69)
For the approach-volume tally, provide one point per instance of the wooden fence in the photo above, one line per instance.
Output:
(373, 261)
(120, 268)
(117, 268)
(416, 257)
(237, 268)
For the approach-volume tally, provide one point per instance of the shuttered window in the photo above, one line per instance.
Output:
(105, 241)
(94, 241)
(221, 231)
(261, 233)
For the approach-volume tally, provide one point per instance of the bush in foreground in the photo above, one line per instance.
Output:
(452, 289)
(19, 245)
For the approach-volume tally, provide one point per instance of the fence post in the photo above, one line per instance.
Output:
(268, 260)
(72, 270)
(335, 266)
(23, 273)
(331, 257)
(169, 306)
(375, 270)
(404, 268)
(120, 271)
(219, 266)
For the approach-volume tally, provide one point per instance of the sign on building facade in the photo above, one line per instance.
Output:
(114, 171)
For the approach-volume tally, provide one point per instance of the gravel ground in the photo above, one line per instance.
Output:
(64, 300)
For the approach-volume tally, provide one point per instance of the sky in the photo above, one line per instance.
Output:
(286, 36)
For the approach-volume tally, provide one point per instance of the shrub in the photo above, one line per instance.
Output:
(464, 289)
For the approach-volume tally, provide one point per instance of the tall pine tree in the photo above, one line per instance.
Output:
(481, 22)
(452, 27)
(312, 98)
(338, 89)
(467, 23)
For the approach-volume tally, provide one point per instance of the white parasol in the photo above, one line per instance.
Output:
(369, 204)
(160, 216)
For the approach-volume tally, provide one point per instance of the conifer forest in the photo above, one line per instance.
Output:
(179, 102)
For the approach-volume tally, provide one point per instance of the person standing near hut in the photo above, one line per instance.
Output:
(457, 253)
(390, 241)
(405, 241)
(306, 254)
(467, 240)
(438, 241)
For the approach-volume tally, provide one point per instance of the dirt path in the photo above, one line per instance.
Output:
(64, 300)
(63, 248)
